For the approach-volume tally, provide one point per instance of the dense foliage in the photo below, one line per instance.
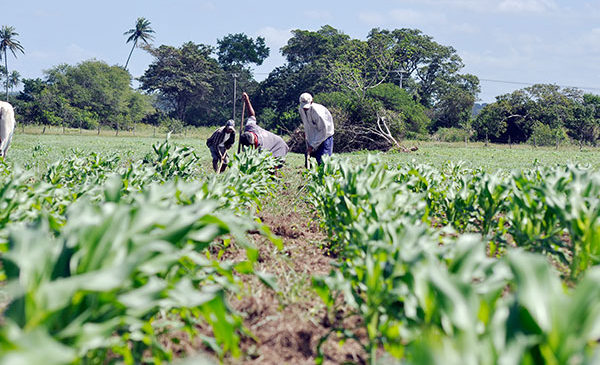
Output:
(541, 114)
(393, 85)
(359, 74)
(88, 95)
(428, 291)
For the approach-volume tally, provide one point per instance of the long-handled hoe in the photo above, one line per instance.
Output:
(221, 161)
(306, 155)
(241, 128)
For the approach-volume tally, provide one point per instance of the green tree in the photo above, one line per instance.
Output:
(327, 61)
(141, 31)
(308, 47)
(87, 95)
(235, 52)
(183, 79)
(519, 111)
(491, 120)
(418, 57)
(13, 80)
(412, 117)
(94, 85)
(455, 100)
(306, 69)
(585, 126)
(361, 65)
(8, 42)
(239, 49)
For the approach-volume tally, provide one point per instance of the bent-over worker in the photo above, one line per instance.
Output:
(219, 142)
(258, 137)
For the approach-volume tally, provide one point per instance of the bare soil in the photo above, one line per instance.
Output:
(285, 326)
(288, 326)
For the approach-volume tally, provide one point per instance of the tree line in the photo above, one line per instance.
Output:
(541, 114)
(393, 85)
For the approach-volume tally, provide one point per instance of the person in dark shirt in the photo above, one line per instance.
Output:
(219, 142)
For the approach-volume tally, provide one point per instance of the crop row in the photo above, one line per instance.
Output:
(427, 263)
(101, 260)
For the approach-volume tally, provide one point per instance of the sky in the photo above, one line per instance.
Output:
(508, 44)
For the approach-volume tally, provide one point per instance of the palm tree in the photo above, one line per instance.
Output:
(13, 80)
(141, 31)
(8, 42)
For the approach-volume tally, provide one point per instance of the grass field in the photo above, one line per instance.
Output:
(286, 325)
(34, 150)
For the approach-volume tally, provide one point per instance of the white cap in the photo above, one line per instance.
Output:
(305, 100)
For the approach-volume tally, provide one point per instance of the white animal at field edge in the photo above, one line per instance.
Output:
(7, 126)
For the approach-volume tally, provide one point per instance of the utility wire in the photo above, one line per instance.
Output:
(534, 83)
(480, 79)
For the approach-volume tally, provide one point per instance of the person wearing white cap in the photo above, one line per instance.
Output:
(318, 127)
(219, 142)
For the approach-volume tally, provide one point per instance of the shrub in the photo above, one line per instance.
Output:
(543, 135)
(451, 134)
(172, 125)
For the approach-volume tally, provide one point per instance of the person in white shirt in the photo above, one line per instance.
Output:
(7, 126)
(318, 127)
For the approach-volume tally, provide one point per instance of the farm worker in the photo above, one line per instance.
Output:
(318, 127)
(219, 142)
(258, 137)
(7, 126)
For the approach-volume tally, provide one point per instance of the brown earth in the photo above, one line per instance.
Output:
(288, 326)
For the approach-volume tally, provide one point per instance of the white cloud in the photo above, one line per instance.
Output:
(371, 18)
(465, 28)
(318, 14)
(44, 13)
(75, 53)
(495, 6)
(42, 55)
(275, 38)
(412, 17)
(526, 6)
(494, 62)
(208, 5)
(590, 41)
(401, 18)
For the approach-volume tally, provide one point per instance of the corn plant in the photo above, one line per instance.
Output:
(100, 258)
(77, 170)
(575, 201)
(428, 297)
(357, 193)
(172, 161)
(111, 270)
(536, 322)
